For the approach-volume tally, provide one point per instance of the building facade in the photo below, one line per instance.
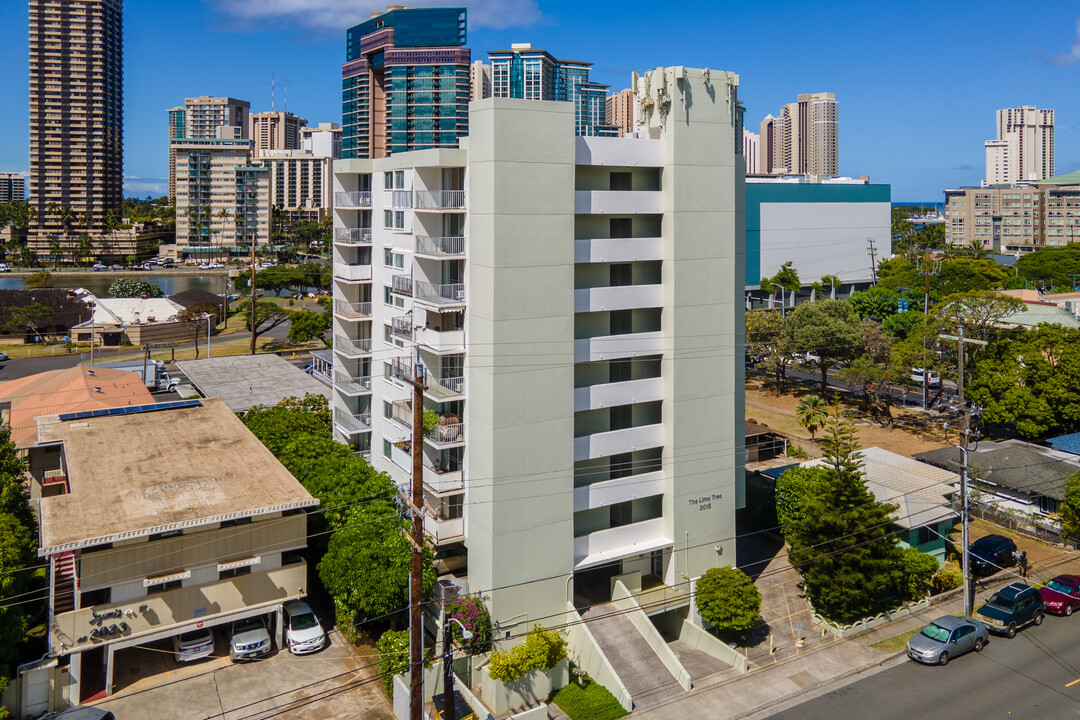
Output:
(205, 117)
(323, 140)
(751, 149)
(620, 111)
(529, 73)
(574, 302)
(479, 80)
(1000, 162)
(405, 82)
(274, 131)
(803, 139)
(299, 183)
(76, 115)
(1024, 148)
(12, 187)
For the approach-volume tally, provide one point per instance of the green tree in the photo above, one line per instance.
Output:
(900, 325)
(766, 340)
(18, 534)
(919, 570)
(268, 316)
(843, 546)
(278, 425)
(1051, 267)
(830, 329)
(877, 303)
(38, 279)
(1069, 510)
(28, 318)
(811, 412)
(795, 487)
(131, 288)
(785, 279)
(308, 325)
(197, 320)
(728, 600)
(542, 650)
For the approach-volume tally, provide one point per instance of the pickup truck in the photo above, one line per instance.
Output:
(156, 378)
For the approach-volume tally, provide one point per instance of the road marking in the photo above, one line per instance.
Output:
(1072, 683)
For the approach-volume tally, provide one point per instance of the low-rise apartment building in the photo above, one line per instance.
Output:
(172, 517)
(576, 304)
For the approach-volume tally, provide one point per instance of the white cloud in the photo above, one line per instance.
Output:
(140, 186)
(339, 15)
(1072, 57)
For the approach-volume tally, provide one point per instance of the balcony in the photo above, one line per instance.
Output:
(352, 424)
(619, 297)
(352, 237)
(633, 539)
(445, 388)
(351, 386)
(440, 342)
(448, 295)
(439, 247)
(439, 200)
(611, 492)
(402, 285)
(615, 442)
(399, 198)
(612, 347)
(402, 327)
(605, 395)
(443, 482)
(352, 273)
(607, 250)
(352, 348)
(618, 202)
(401, 413)
(445, 436)
(352, 311)
(444, 531)
(353, 200)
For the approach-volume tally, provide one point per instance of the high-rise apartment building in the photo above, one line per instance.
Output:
(205, 117)
(750, 149)
(479, 80)
(76, 116)
(299, 183)
(405, 82)
(274, 131)
(1024, 148)
(529, 73)
(620, 111)
(322, 140)
(803, 139)
(576, 304)
(12, 187)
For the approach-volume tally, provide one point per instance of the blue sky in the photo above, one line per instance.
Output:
(917, 82)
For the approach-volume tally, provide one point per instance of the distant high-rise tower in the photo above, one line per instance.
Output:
(275, 131)
(620, 111)
(76, 115)
(530, 73)
(804, 138)
(751, 149)
(205, 118)
(479, 80)
(405, 82)
(12, 187)
(1024, 148)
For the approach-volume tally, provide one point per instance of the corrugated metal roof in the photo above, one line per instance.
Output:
(1068, 443)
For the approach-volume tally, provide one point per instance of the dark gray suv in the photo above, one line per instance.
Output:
(1012, 607)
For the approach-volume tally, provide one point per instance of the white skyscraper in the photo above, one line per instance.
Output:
(1024, 148)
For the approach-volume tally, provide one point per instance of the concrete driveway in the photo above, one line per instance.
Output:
(328, 684)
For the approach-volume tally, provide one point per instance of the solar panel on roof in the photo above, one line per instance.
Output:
(85, 414)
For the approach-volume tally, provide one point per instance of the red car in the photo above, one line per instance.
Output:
(1061, 595)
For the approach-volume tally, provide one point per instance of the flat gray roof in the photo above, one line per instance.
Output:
(243, 381)
(136, 474)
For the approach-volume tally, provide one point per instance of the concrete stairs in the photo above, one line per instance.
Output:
(64, 583)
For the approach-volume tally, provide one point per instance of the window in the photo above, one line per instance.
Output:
(388, 218)
(386, 448)
(399, 179)
(388, 257)
(169, 534)
(388, 334)
(388, 297)
(234, 572)
(926, 535)
(235, 521)
(388, 181)
(164, 587)
(388, 411)
(399, 219)
(621, 180)
(291, 557)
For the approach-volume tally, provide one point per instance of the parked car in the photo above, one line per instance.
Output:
(990, 554)
(945, 638)
(98, 266)
(4, 357)
(193, 645)
(1012, 607)
(1061, 595)
(804, 358)
(249, 639)
(917, 377)
(303, 633)
(83, 712)
(4, 267)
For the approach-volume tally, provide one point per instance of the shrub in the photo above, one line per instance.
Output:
(471, 611)
(393, 657)
(728, 600)
(130, 288)
(946, 580)
(588, 701)
(542, 650)
(919, 570)
(793, 488)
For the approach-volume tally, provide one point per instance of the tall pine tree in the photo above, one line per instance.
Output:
(843, 545)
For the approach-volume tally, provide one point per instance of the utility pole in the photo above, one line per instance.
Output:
(926, 317)
(873, 261)
(415, 377)
(1074, 276)
(965, 430)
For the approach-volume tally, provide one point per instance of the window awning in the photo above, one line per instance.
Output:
(246, 562)
(162, 579)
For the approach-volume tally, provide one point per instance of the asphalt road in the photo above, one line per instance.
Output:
(1025, 677)
(15, 369)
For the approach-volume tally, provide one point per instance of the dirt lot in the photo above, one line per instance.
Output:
(912, 431)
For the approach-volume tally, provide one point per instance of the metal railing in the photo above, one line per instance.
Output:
(441, 246)
(448, 294)
(348, 383)
(401, 284)
(352, 347)
(439, 199)
(662, 598)
(453, 384)
(352, 310)
(354, 423)
(400, 198)
(445, 434)
(352, 236)
(403, 368)
(355, 199)
(402, 326)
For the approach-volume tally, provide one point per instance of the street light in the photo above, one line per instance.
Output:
(449, 709)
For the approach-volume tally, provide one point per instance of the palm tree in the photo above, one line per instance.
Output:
(811, 412)
(86, 247)
(223, 214)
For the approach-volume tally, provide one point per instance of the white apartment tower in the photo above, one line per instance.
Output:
(576, 303)
(750, 150)
(1024, 148)
(804, 138)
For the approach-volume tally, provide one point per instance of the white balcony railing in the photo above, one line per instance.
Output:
(352, 237)
(352, 311)
(353, 423)
(443, 480)
(453, 384)
(399, 198)
(355, 199)
(448, 294)
(441, 341)
(351, 385)
(440, 246)
(443, 531)
(352, 348)
(401, 284)
(448, 434)
(352, 273)
(439, 200)
(633, 539)
(616, 442)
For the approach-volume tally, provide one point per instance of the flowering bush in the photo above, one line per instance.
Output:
(542, 650)
(471, 611)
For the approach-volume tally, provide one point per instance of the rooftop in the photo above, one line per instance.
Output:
(134, 311)
(136, 474)
(1067, 443)
(1013, 464)
(243, 381)
(71, 390)
(1038, 313)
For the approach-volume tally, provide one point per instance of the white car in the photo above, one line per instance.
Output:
(917, 377)
(249, 639)
(303, 633)
(193, 645)
(4, 267)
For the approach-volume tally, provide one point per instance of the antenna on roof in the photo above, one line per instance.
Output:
(272, 106)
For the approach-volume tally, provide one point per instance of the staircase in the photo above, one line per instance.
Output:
(65, 583)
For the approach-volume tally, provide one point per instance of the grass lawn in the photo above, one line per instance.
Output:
(589, 701)
(896, 643)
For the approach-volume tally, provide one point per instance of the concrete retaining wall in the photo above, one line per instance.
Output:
(588, 656)
(625, 602)
(861, 626)
(700, 639)
(529, 691)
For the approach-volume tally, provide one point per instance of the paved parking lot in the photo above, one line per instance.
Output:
(328, 684)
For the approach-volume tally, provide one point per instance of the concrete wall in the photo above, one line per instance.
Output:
(625, 602)
(528, 692)
(520, 377)
(588, 656)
